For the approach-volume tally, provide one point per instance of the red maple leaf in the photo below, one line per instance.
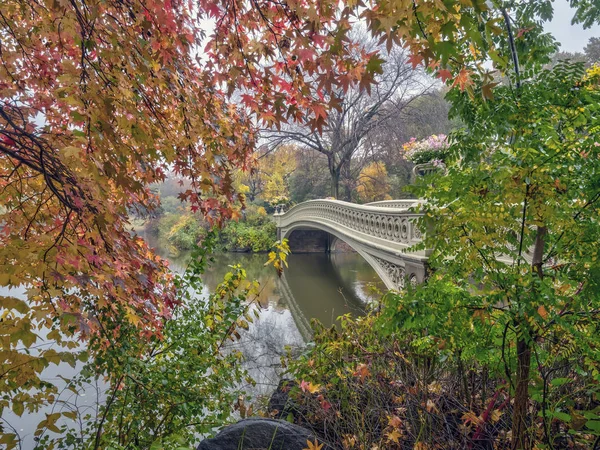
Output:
(444, 75)
(415, 59)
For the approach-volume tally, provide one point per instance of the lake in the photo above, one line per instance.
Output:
(315, 286)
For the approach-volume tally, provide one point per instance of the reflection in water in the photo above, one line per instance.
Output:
(316, 286)
(85, 400)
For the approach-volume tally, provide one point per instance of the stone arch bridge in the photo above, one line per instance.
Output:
(381, 232)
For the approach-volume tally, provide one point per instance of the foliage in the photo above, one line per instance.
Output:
(242, 236)
(186, 232)
(432, 149)
(358, 388)
(359, 114)
(165, 393)
(180, 231)
(373, 183)
(99, 99)
(592, 50)
(513, 233)
(171, 204)
(275, 169)
(269, 178)
(310, 180)
(278, 256)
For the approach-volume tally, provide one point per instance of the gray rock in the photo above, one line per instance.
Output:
(280, 404)
(260, 434)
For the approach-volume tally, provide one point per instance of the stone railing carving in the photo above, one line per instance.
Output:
(397, 204)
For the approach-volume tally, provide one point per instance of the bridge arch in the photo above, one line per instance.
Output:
(381, 234)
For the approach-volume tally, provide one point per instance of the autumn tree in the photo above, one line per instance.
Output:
(373, 183)
(276, 168)
(99, 99)
(269, 177)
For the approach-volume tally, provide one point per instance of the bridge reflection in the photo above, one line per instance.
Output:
(325, 286)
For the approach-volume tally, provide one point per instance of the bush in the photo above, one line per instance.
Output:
(247, 237)
(358, 388)
(256, 215)
(164, 392)
(182, 231)
(368, 384)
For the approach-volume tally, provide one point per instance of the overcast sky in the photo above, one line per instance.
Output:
(572, 37)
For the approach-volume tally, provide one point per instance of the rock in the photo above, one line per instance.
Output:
(260, 434)
(280, 404)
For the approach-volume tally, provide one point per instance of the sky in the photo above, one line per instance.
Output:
(572, 37)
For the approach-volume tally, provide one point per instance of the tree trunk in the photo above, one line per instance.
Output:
(348, 184)
(520, 419)
(335, 183)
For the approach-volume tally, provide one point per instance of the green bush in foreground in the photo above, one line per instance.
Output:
(164, 392)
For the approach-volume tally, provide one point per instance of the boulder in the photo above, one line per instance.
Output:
(280, 404)
(260, 434)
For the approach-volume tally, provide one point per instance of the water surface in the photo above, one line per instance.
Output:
(315, 286)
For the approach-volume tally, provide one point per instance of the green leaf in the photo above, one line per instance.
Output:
(560, 381)
(375, 64)
(561, 416)
(18, 408)
(593, 425)
(14, 303)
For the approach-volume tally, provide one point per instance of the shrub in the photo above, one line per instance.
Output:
(182, 231)
(358, 388)
(246, 237)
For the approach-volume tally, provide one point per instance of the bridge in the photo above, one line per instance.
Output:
(381, 232)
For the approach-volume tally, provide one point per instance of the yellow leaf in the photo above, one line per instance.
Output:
(495, 415)
(394, 436)
(313, 445)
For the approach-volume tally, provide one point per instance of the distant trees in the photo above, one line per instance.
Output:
(590, 55)
(360, 113)
(310, 180)
(592, 50)
(269, 178)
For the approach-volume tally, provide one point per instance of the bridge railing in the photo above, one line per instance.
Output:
(388, 222)
(398, 204)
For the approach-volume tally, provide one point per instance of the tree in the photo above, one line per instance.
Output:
(592, 50)
(99, 99)
(310, 180)
(359, 113)
(275, 169)
(269, 177)
(568, 56)
(512, 227)
(429, 116)
(373, 184)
